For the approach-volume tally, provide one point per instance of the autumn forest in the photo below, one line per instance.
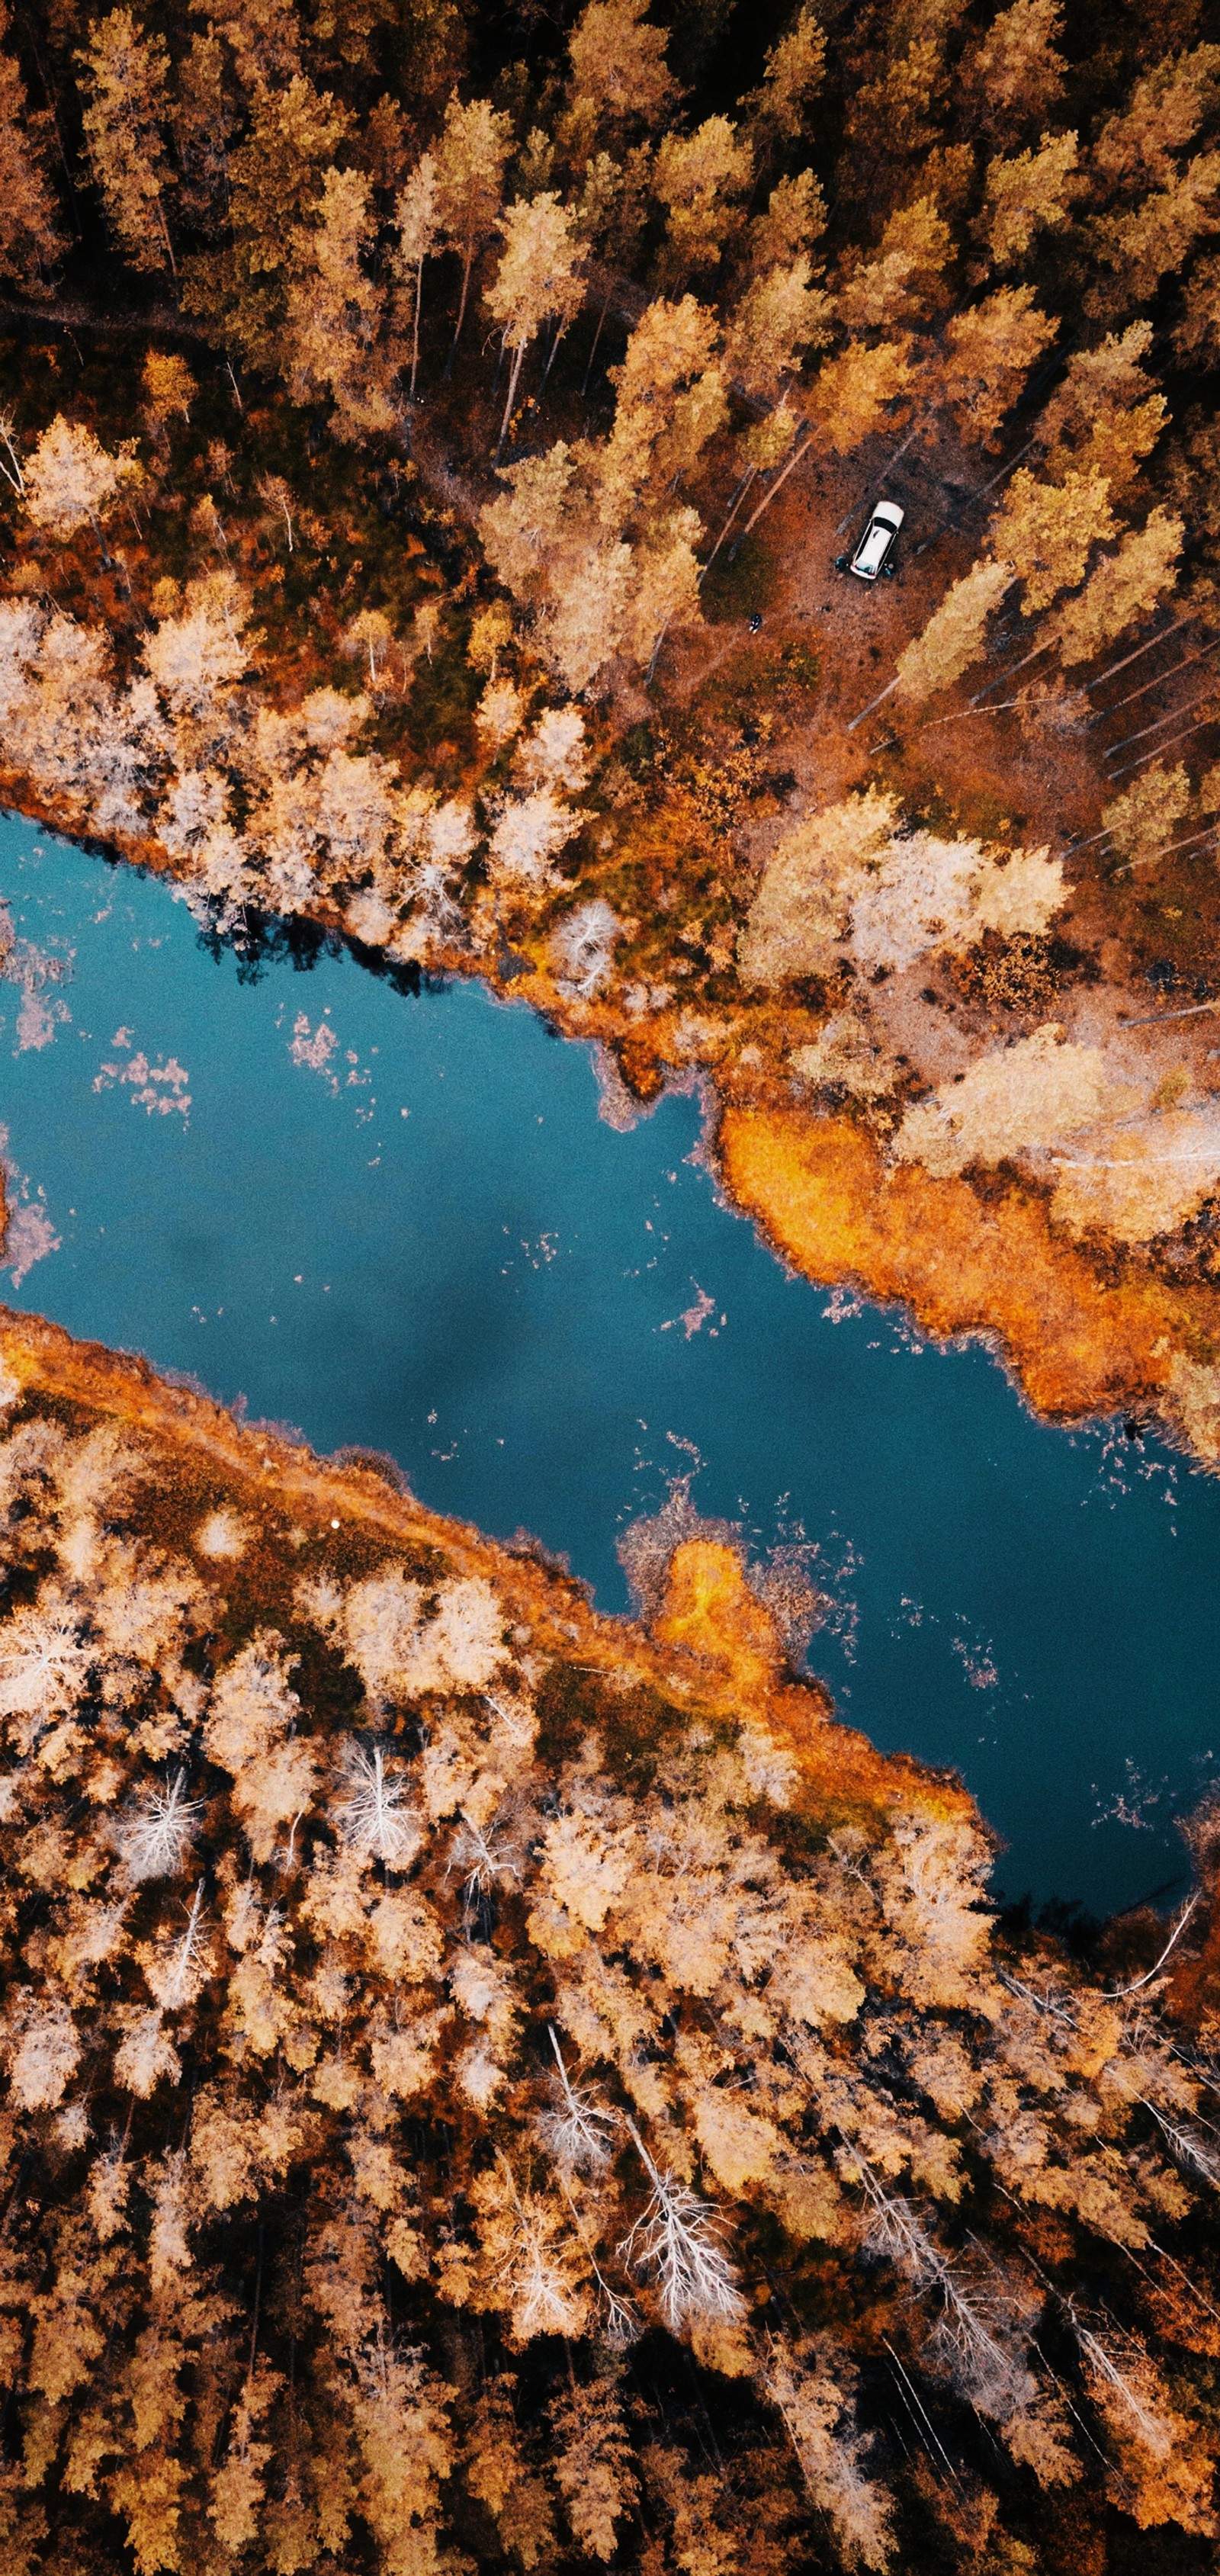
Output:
(487, 2085)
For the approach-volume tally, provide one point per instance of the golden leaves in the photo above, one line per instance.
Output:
(593, 2463)
(46, 2056)
(586, 1871)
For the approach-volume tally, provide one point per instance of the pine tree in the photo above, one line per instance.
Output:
(853, 394)
(989, 350)
(1047, 531)
(953, 636)
(1029, 193)
(699, 180)
(124, 84)
(1124, 586)
(31, 239)
(276, 177)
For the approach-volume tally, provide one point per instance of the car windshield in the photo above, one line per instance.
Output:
(873, 547)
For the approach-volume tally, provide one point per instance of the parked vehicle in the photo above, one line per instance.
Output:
(876, 550)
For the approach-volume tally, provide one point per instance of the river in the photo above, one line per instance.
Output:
(398, 1221)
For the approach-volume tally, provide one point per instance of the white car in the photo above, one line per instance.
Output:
(875, 551)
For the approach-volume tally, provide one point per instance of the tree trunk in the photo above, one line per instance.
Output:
(738, 497)
(169, 247)
(596, 337)
(1145, 730)
(1161, 638)
(551, 360)
(419, 294)
(1003, 677)
(1158, 683)
(1138, 762)
(514, 373)
(887, 692)
(780, 479)
(469, 264)
(49, 96)
(655, 650)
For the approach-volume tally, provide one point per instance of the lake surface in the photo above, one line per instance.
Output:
(398, 1221)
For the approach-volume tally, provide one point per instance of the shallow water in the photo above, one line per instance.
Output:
(399, 1221)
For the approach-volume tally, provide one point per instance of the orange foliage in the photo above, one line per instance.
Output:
(820, 1190)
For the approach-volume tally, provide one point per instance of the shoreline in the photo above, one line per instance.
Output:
(1078, 1344)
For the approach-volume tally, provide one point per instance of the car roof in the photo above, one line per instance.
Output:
(889, 512)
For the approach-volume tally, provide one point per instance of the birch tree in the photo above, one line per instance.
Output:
(536, 282)
(1015, 72)
(781, 314)
(203, 123)
(1155, 238)
(670, 400)
(1137, 147)
(72, 481)
(853, 393)
(794, 73)
(666, 586)
(124, 77)
(1107, 414)
(794, 218)
(418, 220)
(902, 282)
(275, 184)
(470, 156)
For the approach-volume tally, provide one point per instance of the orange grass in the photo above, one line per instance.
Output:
(821, 1191)
(714, 1648)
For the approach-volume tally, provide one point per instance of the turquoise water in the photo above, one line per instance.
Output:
(399, 1221)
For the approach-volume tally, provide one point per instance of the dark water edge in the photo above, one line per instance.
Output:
(548, 1321)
